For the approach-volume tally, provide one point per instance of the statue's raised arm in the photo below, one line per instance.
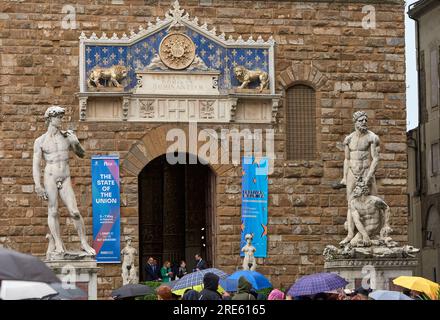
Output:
(74, 143)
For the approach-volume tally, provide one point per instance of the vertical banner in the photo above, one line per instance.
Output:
(254, 196)
(106, 208)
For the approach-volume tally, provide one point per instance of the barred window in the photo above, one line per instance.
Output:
(301, 123)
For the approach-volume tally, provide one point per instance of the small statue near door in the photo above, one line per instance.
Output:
(249, 261)
(129, 274)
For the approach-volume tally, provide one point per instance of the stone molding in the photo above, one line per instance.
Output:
(152, 145)
(302, 73)
(349, 263)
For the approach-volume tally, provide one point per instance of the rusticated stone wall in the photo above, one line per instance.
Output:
(321, 43)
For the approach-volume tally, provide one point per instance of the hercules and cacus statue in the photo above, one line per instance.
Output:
(368, 216)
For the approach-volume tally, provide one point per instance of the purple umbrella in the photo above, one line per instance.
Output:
(316, 283)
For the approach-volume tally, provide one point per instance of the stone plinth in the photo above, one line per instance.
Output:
(378, 272)
(82, 273)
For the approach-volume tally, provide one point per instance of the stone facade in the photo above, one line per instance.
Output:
(320, 43)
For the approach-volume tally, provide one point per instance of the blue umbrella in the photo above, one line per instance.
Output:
(196, 278)
(388, 295)
(316, 283)
(257, 280)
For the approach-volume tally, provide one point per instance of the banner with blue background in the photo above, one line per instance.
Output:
(106, 208)
(254, 197)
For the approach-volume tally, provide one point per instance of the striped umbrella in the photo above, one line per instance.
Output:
(196, 278)
(316, 283)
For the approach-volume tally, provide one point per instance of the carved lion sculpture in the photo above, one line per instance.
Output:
(112, 75)
(246, 76)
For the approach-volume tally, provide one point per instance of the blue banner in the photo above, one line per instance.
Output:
(254, 196)
(106, 208)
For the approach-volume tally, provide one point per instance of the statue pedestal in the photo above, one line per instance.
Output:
(377, 272)
(83, 273)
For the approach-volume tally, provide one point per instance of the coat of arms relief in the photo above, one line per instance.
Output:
(177, 65)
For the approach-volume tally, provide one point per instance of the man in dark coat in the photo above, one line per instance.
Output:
(210, 285)
(152, 271)
(200, 263)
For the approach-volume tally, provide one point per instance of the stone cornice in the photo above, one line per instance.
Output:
(420, 8)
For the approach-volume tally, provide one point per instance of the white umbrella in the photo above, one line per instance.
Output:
(19, 290)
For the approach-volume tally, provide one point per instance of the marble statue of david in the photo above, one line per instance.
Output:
(53, 147)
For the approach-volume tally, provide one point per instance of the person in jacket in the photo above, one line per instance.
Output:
(166, 272)
(200, 263)
(191, 294)
(210, 285)
(244, 290)
(152, 270)
(182, 269)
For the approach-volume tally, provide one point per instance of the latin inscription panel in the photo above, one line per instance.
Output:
(175, 83)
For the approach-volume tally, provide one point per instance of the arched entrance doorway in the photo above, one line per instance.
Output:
(175, 212)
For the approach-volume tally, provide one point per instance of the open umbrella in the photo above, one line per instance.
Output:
(198, 288)
(20, 290)
(23, 267)
(418, 284)
(257, 280)
(131, 291)
(316, 283)
(196, 278)
(69, 293)
(388, 295)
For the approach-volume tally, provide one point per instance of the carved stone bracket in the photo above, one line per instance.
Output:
(276, 103)
(82, 108)
(233, 109)
(125, 108)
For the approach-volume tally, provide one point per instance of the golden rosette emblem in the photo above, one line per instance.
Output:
(177, 51)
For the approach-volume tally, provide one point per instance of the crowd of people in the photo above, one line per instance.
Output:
(170, 272)
(211, 291)
(245, 291)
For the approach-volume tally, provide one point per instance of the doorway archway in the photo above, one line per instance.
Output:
(176, 212)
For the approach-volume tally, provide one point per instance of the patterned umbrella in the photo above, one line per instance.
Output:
(316, 283)
(196, 278)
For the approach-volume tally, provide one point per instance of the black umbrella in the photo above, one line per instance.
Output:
(18, 266)
(67, 293)
(132, 290)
